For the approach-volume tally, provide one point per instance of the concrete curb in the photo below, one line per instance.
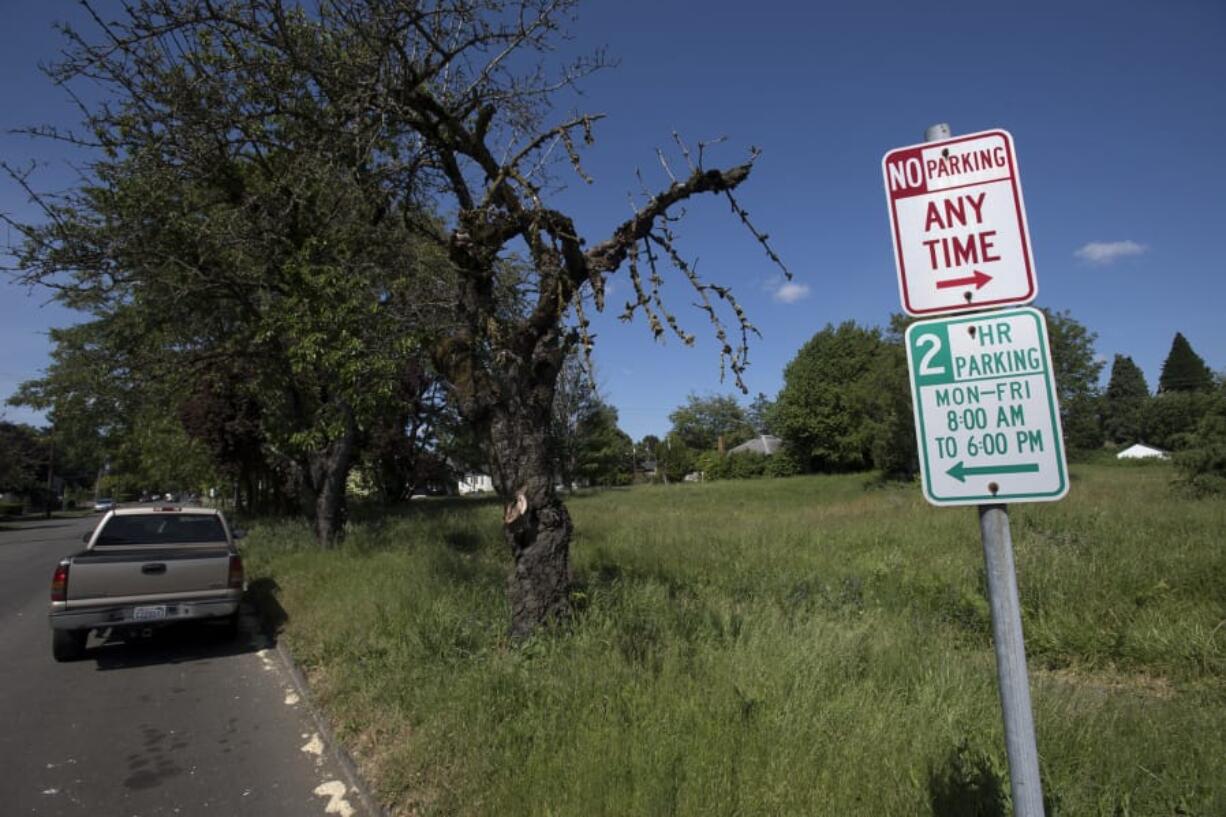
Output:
(353, 778)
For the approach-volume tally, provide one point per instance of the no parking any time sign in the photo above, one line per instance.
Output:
(959, 224)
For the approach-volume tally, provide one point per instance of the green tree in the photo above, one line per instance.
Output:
(1170, 418)
(23, 455)
(1124, 401)
(845, 403)
(703, 420)
(1202, 463)
(341, 123)
(674, 459)
(1183, 369)
(1077, 370)
(603, 449)
(233, 208)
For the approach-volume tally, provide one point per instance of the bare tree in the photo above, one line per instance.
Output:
(454, 97)
(480, 130)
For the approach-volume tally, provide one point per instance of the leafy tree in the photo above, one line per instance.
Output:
(23, 455)
(295, 155)
(1183, 369)
(703, 420)
(674, 459)
(83, 399)
(234, 207)
(1202, 464)
(649, 446)
(401, 448)
(1077, 370)
(455, 89)
(221, 414)
(603, 448)
(843, 399)
(1170, 418)
(1124, 401)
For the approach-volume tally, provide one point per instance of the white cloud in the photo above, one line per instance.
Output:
(1104, 252)
(789, 292)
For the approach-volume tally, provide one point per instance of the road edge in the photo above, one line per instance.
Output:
(348, 767)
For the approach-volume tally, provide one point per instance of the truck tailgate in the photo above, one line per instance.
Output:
(151, 572)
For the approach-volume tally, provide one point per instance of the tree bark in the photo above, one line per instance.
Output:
(331, 510)
(322, 479)
(536, 525)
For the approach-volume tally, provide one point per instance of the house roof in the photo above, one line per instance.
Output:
(762, 444)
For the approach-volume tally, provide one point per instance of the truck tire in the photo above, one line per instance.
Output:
(68, 645)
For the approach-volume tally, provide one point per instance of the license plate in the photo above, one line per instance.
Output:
(148, 613)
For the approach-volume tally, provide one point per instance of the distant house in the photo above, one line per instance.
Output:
(1141, 451)
(766, 444)
(476, 483)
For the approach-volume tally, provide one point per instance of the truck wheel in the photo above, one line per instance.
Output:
(68, 645)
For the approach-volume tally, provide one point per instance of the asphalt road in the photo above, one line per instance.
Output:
(183, 722)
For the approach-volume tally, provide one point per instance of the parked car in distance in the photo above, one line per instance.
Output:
(146, 567)
(104, 504)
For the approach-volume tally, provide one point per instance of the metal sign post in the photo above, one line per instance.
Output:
(1020, 746)
(987, 423)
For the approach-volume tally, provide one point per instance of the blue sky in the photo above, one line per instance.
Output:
(1117, 111)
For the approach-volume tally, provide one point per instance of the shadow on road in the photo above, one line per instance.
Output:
(22, 527)
(189, 642)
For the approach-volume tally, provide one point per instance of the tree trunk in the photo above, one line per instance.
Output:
(322, 480)
(536, 524)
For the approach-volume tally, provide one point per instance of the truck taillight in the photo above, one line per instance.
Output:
(59, 583)
(236, 571)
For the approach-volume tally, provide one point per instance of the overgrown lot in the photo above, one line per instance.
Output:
(810, 646)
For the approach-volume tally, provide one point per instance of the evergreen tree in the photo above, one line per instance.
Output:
(1184, 370)
(1124, 401)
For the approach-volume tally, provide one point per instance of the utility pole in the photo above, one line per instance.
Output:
(50, 472)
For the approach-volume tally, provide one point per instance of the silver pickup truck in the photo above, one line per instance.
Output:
(146, 567)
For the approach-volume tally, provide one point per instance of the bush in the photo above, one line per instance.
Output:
(1170, 420)
(10, 509)
(783, 464)
(746, 466)
(1202, 464)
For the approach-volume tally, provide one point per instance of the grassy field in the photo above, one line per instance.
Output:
(811, 646)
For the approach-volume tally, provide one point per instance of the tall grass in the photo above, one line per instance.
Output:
(812, 646)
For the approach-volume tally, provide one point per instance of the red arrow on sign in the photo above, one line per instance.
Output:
(977, 280)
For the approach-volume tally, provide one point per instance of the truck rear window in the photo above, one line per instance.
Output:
(161, 529)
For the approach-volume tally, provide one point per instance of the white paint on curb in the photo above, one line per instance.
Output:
(314, 746)
(334, 790)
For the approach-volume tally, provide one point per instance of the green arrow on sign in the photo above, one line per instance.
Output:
(960, 472)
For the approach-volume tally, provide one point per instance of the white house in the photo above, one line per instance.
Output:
(1141, 451)
(476, 483)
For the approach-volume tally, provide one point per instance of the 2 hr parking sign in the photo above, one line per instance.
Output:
(986, 415)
